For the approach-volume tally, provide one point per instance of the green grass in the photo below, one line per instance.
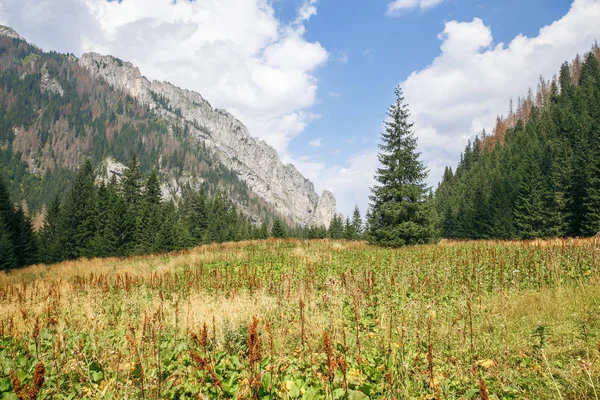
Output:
(506, 320)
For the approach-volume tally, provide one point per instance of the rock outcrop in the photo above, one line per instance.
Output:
(9, 32)
(50, 84)
(255, 162)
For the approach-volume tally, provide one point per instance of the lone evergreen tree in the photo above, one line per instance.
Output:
(400, 212)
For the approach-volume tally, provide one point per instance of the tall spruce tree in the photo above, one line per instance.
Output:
(50, 245)
(7, 232)
(357, 224)
(278, 230)
(79, 215)
(400, 212)
(336, 227)
(7, 250)
(132, 195)
(149, 216)
(25, 243)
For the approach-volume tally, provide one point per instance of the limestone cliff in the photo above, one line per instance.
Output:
(255, 162)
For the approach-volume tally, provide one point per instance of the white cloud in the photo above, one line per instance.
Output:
(471, 81)
(352, 183)
(398, 6)
(315, 143)
(307, 10)
(236, 53)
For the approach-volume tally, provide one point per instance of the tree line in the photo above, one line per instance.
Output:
(538, 175)
(128, 216)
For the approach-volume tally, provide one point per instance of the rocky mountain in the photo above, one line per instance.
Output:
(9, 33)
(184, 126)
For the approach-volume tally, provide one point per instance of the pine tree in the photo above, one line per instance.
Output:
(25, 243)
(530, 211)
(7, 250)
(278, 230)
(132, 196)
(50, 246)
(263, 231)
(349, 233)
(357, 224)
(149, 216)
(400, 211)
(336, 227)
(79, 215)
(7, 233)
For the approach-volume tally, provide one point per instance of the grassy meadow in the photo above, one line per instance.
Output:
(296, 319)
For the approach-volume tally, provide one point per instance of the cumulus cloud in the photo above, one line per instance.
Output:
(471, 81)
(351, 183)
(236, 53)
(398, 6)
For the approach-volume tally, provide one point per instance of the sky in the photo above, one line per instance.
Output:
(314, 78)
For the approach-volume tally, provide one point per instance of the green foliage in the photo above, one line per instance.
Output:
(336, 227)
(30, 58)
(278, 230)
(400, 213)
(95, 120)
(130, 217)
(542, 178)
(18, 245)
(420, 322)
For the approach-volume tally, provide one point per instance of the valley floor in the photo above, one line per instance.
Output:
(309, 319)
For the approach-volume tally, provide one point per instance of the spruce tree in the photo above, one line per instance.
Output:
(278, 230)
(50, 245)
(79, 215)
(349, 230)
(357, 224)
(399, 207)
(25, 243)
(530, 210)
(132, 196)
(7, 232)
(7, 250)
(263, 231)
(336, 227)
(149, 216)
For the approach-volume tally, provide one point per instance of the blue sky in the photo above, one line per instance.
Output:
(314, 78)
(382, 51)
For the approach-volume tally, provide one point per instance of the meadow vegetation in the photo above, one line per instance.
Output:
(319, 319)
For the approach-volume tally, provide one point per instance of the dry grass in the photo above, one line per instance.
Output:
(524, 317)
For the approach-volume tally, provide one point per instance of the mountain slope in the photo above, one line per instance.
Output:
(102, 107)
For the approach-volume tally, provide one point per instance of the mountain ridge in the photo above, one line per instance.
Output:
(256, 163)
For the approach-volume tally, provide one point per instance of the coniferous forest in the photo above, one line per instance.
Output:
(538, 174)
(129, 216)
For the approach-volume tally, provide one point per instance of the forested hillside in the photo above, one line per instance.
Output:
(53, 114)
(538, 174)
(118, 218)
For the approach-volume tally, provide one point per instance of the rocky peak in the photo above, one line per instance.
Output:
(255, 162)
(9, 32)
